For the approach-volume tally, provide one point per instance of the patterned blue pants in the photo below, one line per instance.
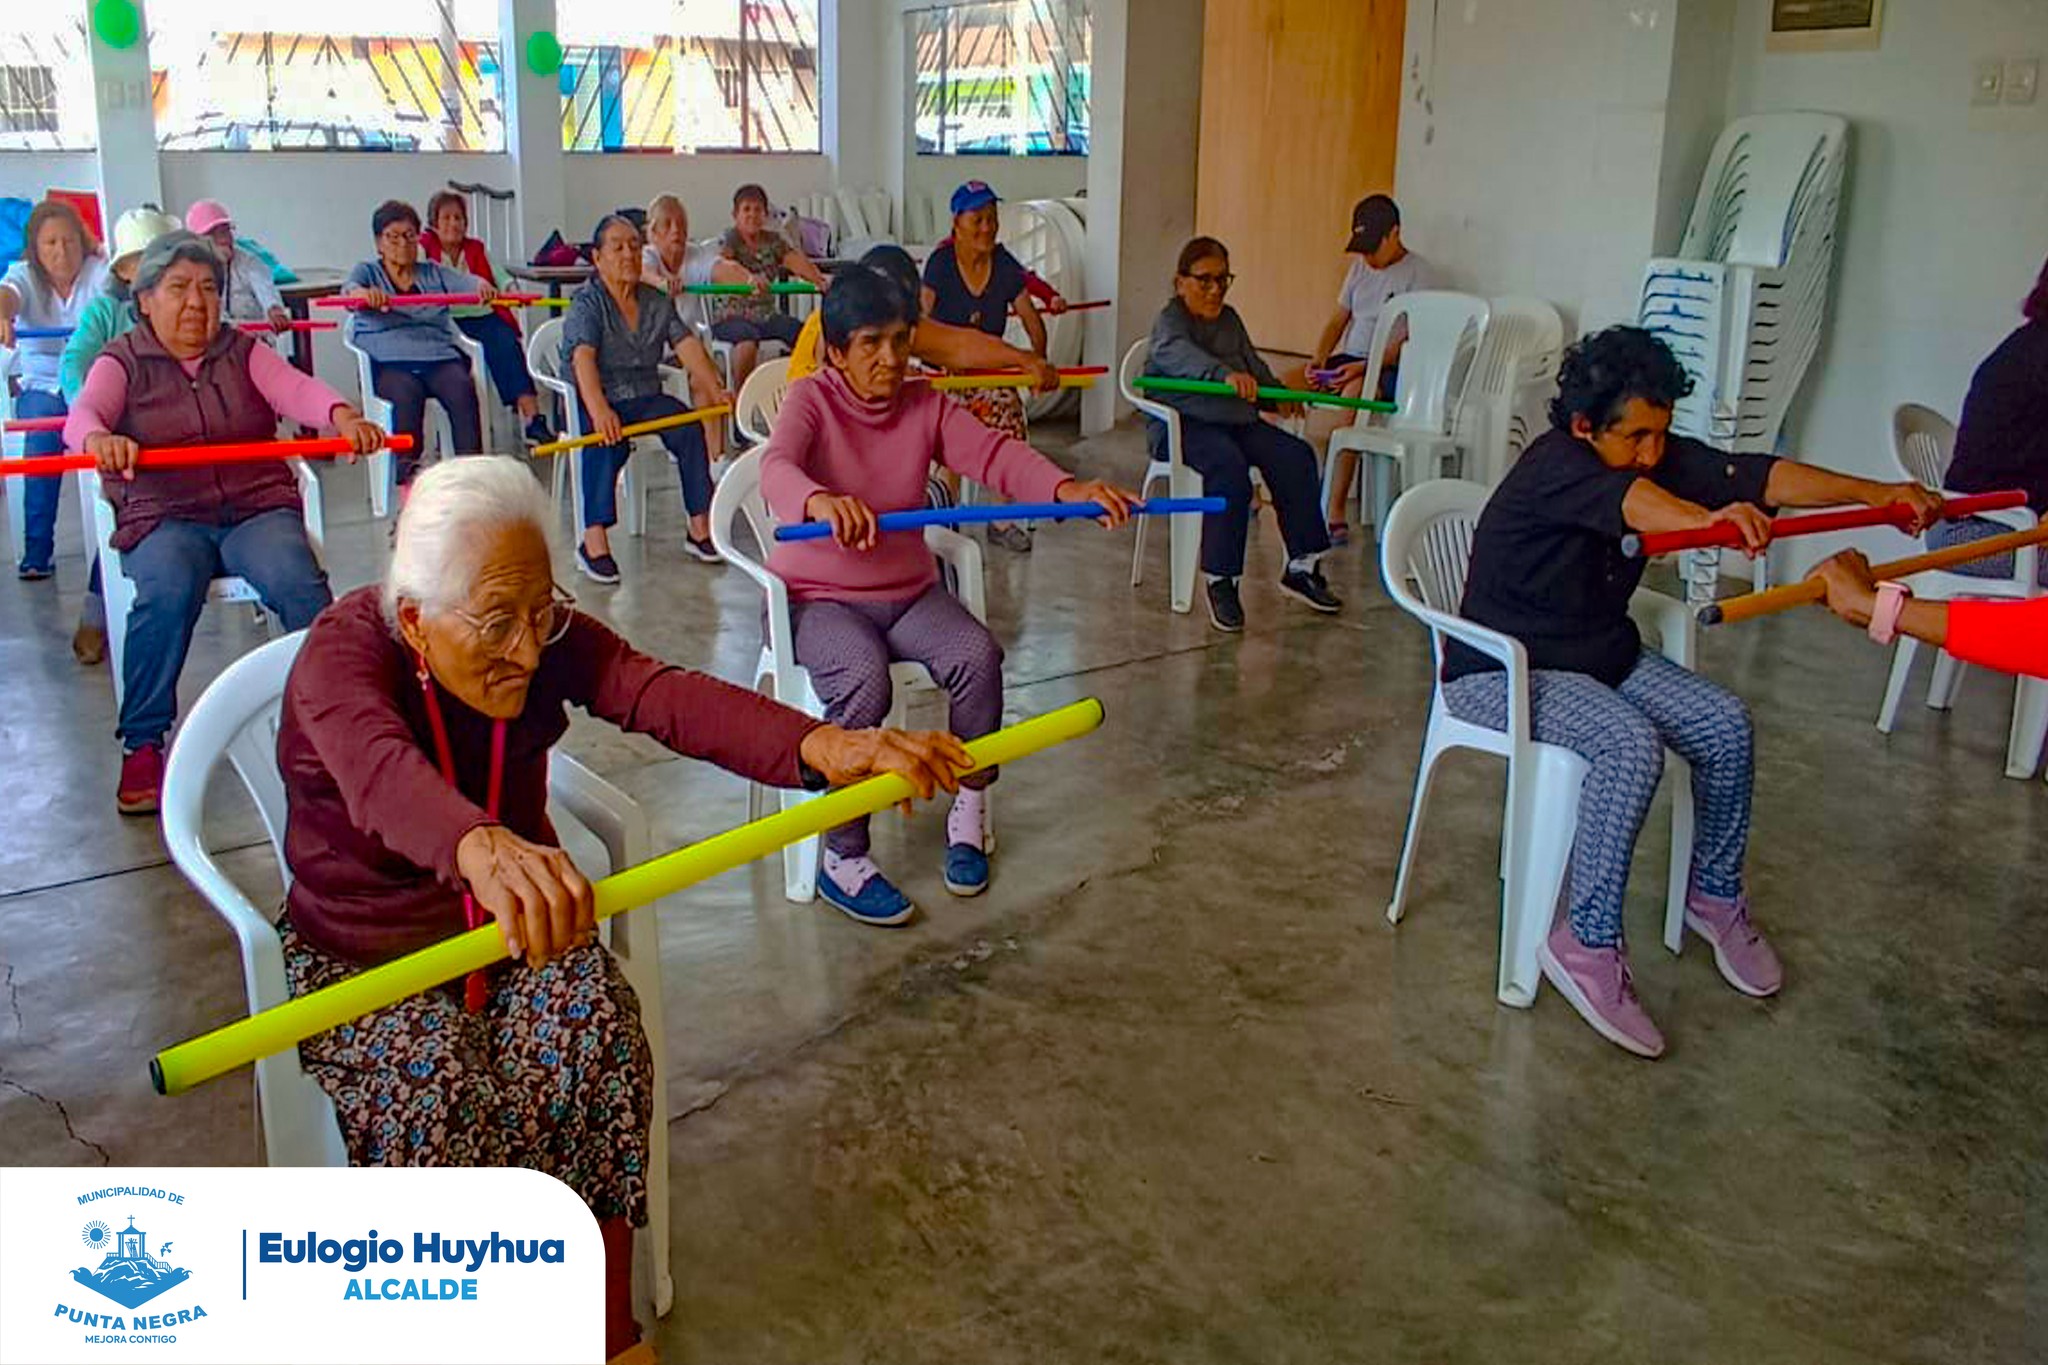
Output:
(1969, 530)
(1622, 733)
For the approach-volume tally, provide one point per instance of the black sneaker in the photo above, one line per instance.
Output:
(1226, 613)
(598, 568)
(538, 432)
(1311, 587)
(703, 551)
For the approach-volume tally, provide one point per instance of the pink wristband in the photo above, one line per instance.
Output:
(1884, 616)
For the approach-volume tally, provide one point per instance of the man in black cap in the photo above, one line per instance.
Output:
(1383, 268)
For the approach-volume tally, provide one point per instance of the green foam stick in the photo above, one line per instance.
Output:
(1218, 389)
(780, 287)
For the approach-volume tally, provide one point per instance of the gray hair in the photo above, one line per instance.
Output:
(453, 505)
(171, 249)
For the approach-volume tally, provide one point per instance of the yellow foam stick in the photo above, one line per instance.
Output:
(1009, 381)
(681, 419)
(537, 302)
(179, 1068)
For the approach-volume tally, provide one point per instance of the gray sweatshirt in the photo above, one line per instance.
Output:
(1185, 347)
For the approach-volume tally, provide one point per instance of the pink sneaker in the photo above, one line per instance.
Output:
(1747, 962)
(1597, 983)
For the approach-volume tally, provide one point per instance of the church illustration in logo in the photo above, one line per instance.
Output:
(128, 1275)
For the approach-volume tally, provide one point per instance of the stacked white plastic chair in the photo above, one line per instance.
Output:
(237, 719)
(1424, 553)
(778, 674)
(1048, 237)
(1511, 378)
(1743, 301)
(1444, 334)
(1923, 441)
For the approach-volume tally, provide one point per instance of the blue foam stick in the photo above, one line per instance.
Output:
(41, 333)
(1016, 511)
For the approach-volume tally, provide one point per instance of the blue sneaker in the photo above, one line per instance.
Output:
(877, 901)
(966, 870)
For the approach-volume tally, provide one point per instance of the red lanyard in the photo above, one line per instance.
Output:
(474, 987)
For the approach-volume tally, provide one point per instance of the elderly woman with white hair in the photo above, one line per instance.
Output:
(414, 749)
(180, 378)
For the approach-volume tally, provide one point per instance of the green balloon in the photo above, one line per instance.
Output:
(543, 50)
(116, 22)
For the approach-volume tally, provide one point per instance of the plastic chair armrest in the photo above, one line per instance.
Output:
(608, 813)
(963, 555)
(1672, 621)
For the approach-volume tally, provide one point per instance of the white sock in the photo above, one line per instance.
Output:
(967, 822)
(850, 874)
(1304, 563)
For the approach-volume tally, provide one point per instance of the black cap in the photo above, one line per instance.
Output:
(1372, 218)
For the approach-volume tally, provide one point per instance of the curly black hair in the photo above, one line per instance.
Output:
(1601, 372)
(863, 297)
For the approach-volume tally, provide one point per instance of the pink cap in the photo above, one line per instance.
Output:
(206, 215)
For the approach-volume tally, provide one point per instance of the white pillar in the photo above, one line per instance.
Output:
(1144, 114)
(127, 127)
(533, 128)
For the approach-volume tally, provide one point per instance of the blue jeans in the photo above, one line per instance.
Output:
(1622, 733)
(172, 569)
(502, 355)
(601, 464)
(39, 498)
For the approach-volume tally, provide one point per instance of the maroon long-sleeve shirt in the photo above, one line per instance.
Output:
(371, 825)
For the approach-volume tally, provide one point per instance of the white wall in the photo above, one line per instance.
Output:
(25, 175)
(1014, 177)
(1945, 223)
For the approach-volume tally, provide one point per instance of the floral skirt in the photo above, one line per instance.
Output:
(553, 1074)
(998, 409)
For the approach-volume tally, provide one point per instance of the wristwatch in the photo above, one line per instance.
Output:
(1884, 616)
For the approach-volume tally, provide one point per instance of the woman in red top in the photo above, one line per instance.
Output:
(2010, 636)
(494, 329)
(413, 746)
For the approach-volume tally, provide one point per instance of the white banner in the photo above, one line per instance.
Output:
(352, 1266)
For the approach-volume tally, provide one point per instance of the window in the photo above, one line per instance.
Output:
(1006, 78)
(394, 76)
(45, 81)
(690, 76)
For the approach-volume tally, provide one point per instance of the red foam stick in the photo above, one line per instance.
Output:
(174, 456)
(1073, 307)
(1724, 535)
(292, 326)
(352, 303)
(33, 424)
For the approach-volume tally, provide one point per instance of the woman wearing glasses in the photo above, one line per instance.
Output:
(1199, 336)
(414, 751)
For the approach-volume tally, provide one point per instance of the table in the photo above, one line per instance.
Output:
(555, 277)
(313, 282)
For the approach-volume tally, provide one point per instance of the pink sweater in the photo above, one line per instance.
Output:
(292, 394)
(827, 439)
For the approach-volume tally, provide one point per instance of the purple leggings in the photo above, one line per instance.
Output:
(848, 646)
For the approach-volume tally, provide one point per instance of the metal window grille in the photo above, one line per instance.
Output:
(691, 76)
(394, 75)
(46, 102)
(1003, 78)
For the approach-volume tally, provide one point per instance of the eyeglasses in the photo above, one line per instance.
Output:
(400, 236)
(500, 632)
(1220, 283)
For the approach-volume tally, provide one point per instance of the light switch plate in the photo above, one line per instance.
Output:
(2022, 80)
(1987, 82)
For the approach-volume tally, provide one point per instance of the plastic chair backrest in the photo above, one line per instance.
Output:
(1523, 338)
(1428, 542)
(760, 398)
(1924, 442)
(544, 349)
(738, 498)
(1126, 375)
(1442, 326)
(1767, 173)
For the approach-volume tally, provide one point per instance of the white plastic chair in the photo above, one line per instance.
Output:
(1443, 327)
(1518, 354)
(11, 447)
(237, 719)
(383, 466)
(1424, 553)
(119, 589)
(760, 398)
(1184, 533)
(777, 673)
(1923, 441)
(544, 362)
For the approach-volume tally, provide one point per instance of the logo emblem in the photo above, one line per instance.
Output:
(128, 1274)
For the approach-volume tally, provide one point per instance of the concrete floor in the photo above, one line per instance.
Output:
(1173, 1090)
